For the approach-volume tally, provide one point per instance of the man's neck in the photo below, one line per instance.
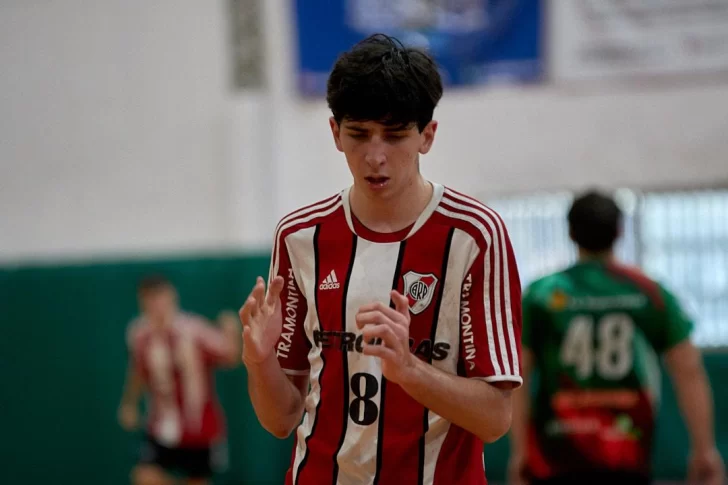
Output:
(164, 324)
(604, 256)
(392, 215)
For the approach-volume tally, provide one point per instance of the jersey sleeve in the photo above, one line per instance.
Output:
(677, 325)
(490, 313)
(293, 346)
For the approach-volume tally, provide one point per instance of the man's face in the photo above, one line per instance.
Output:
(383, 159)
(159, 305)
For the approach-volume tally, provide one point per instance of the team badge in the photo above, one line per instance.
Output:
(419, 289)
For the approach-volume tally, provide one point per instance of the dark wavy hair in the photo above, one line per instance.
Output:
(380, 79)
(595, 221)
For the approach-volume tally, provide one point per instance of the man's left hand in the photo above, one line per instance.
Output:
(391, 325)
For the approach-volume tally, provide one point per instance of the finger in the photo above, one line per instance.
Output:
(274, 291)
(249, 311)
(379, 351)
(373, 317)
(247, 341)
(384, 332)
(247, 334)
(259, 291)
(377, 318)
(245, 311)
(401, 303)
(368, 311)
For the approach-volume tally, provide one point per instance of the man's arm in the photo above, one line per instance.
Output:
(480, 407)
(277, 398)
(133, 386)
(133, 389)
(692, 389)
(521, 413)
(685, 366)
(276, 358)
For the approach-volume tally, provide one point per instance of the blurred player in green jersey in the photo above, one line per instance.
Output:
(595, 332)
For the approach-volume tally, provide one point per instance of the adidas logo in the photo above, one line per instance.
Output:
(330, 283)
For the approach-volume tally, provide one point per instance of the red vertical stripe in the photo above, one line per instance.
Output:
(334, 246)
(459, 452)
(400, 461)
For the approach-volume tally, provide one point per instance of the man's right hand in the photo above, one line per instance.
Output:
(262, 321)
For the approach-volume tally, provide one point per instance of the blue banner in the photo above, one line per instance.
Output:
(474, 41)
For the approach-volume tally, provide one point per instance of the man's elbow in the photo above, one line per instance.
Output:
(495, 430)
(496, 425)
(281, 432)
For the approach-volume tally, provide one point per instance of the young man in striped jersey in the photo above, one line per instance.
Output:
(389, 334)
(594, 332)
(173, 356)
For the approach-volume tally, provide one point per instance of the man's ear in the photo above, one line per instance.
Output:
(428, 137)
(336, 131)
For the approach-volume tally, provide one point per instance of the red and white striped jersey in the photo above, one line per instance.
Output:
(177, 365)
(456, 266)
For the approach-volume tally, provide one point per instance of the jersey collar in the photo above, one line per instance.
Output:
(361, 231)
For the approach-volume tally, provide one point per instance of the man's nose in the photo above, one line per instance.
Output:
(376, 154)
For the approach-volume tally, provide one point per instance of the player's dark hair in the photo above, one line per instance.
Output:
(153, 283)
(595, 221)
(380, 79)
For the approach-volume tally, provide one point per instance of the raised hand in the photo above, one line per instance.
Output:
(377, 320)
(262, 321)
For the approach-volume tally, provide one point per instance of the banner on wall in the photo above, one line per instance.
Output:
(622, 39)
(474, 41)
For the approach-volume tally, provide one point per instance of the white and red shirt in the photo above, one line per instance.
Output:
(456, 266)
(177, 365)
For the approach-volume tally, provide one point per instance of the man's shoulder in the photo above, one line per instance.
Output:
(469, 214)
(547, 287)
(635, 277)
(137, 328)
(309, 215)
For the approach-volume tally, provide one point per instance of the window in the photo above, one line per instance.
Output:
(678, 238)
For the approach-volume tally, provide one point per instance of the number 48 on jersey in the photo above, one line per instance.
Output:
(611, 355)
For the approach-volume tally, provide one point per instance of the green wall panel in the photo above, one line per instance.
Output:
(63, 358)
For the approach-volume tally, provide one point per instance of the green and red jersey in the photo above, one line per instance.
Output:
(596, 331)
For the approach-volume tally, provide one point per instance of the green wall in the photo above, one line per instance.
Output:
(63, 357)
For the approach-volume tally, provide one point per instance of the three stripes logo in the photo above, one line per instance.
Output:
(330, 283)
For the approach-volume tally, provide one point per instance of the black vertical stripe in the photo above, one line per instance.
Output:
(382, 398)
(316, 271)
(345, 357)
(433, 335)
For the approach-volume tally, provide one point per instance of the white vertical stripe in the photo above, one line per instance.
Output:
(448, 330)
(486, 296)
(501, 239)
(370, 280)
(302, 252)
